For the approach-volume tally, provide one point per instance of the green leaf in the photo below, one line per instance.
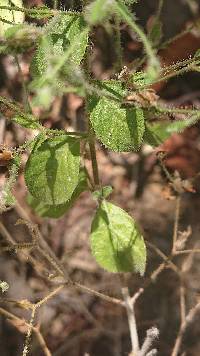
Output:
(157, 133)
(119, 129)
(56, 211)
(197, 54)
(98, 11)
(60, 34)
(28, 122)
(78, 39)
(153, 68)
(116, 242)
(67, 30)
(60, 50)
(52, 170)
(37, 141)
(103, 193)
(155, 31)
(18, 38)
(12, 17)
(140, 79)
(40, 12)
(41, 58)
(7, 198)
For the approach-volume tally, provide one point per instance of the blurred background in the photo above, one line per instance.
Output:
(76, 323)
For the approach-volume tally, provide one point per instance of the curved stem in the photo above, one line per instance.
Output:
(125, 15)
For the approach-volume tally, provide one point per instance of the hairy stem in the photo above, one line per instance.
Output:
(36, 11)
(125, 15)
(55, 4)
(118, 47)
(94, 158)
(27, 104)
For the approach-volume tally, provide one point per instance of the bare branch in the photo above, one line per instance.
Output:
(152, 334)
(188, 320)
(36, 330)
(131, 320)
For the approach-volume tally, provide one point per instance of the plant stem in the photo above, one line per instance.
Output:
(188, 321)
(93, 158)
(173, 70)
(173, 74)
(175, 38)
(163, 109)
(118, 46)
(12, 106)
(125, 15)
(160, 6)
(131, 319)
(83, 135)
(25, 91)
(91, 135)
(55, 4)
(29, 333)
(176, 223)
(36, 330)
(38, 11)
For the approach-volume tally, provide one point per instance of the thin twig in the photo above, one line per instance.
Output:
(188, 320)
(2, 128)
(36, 265)
(39, 11)
(29, 333)
(197, 250)
(176, 223)
(182, 303)
(129, 305)
(160, 7)
(54, 261)
(167, 259)
(36, 330)
(136, 296)
(49, 296)
(93, 158)
(46, 250)
(26, 101)
(156, 272)
(97, 294)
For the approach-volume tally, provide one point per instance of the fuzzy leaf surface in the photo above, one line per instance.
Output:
(116, 241)
(155, 32)
(60, 33)
(98, 11)
(119, 129)
(157, 133)
(56, 211)
(52, 170)
(28, 122)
